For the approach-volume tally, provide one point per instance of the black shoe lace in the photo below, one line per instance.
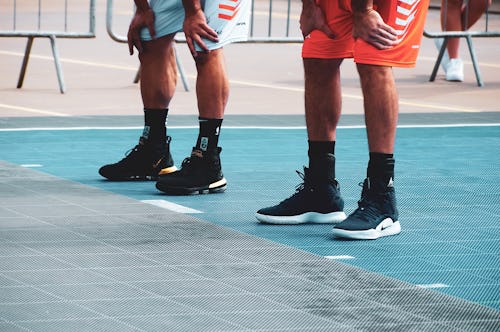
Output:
(189, 164)
(298, 188)
(367, 208)
(131, 154)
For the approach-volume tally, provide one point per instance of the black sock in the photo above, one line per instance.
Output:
(381, 169)
(155, 128)
(208, 138)
(321, 158)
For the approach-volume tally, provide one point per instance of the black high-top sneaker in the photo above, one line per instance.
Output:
(376, 215)
(313, 202)
(145, 161)
(200, 173)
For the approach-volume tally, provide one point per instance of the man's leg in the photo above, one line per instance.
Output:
(377, 214)
(474, 11)
(202, 173)
(318, 198)
(381, 106)
(151, 157)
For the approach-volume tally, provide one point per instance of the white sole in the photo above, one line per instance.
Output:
(387, 227)
(304, 218)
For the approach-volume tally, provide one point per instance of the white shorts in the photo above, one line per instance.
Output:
(229, 18)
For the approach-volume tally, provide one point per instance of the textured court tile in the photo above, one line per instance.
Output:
(6, 281)
(159, 271)
(285, 320)
(80, 325)
(371, 315)
(8, 327)
(137, 307)
(43, 311)
(189, 287)
(22, 294)
(145, 273)
(278, 285)
(56, 277)
(44, 234)
(445, 276)
(228, 303)
(192, 257)
(94, 261)
(321, 300)
(31, 263)
(94, 291)
(231, 271)
(183, 323)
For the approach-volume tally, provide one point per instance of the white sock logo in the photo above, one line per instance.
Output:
(204, 143)
(391, 183)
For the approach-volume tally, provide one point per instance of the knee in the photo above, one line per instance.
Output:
(206, 58)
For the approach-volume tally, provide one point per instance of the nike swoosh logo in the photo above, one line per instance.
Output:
(158, 162)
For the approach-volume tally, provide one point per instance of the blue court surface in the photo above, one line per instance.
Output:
(447, 183)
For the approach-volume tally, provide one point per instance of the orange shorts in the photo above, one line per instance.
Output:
(407, 17)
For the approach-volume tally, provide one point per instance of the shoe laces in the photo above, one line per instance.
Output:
(365, 211)
(367, 205)
(132, 153)
(190, 163)
(299, 189)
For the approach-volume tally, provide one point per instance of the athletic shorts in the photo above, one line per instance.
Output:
(407, 17)
(229, 18)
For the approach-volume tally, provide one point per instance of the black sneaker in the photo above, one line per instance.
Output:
(376, 215)
(200, 174)
(143, 162)
(311, 203)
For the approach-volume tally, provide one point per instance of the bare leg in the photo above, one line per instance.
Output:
(158, 72)
(203, 172)
(458, 17)
(212, 86)
(381, 106)
(151, 157)
(323, 99)
(476, 9)
(451, 21)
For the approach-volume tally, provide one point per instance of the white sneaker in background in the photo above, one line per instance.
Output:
(446, 58)
(455, 70)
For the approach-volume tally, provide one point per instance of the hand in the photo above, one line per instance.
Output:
(141, 19)
(195, 28)
(370, 27)
(313, 18)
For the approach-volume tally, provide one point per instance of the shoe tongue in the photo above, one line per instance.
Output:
(197, 153)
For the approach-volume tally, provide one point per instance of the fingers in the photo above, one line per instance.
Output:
(197, 38)
(133, 40)
(384, 38)
(152, 31)
(191, 46)
(388, 32)
(130, 47)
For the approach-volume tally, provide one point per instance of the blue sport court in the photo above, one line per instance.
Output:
(111, 254)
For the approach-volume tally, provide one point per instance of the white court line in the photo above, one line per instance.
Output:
(170, 206)
(76, 62)
(31, 165)
(340, 257)
(458, 125)
(32, 110)
(432, 286)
